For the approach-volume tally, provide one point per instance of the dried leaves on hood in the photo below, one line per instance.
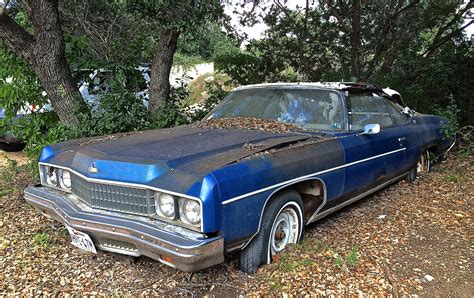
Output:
(248, 124)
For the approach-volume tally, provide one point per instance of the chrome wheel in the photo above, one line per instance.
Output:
(423, 165)
(285, 230)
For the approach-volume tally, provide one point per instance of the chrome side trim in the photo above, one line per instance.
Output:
(323, 214)
(291, 181)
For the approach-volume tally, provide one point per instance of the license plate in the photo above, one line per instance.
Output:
(81, 240)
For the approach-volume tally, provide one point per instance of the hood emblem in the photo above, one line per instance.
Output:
(92, 168)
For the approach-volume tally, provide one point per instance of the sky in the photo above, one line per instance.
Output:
(234, 9)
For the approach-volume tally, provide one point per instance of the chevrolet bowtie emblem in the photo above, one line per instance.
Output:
(92, 168)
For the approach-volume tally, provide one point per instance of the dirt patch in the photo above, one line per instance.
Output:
(19, 157)
(384, 245)
(248, 124)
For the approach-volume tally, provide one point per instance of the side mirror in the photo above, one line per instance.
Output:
(406, 111)
(371, 129)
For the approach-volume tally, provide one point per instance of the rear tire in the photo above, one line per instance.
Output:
(422, 167)
(282, 224)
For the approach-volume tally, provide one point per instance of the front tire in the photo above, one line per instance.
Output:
(282, 224)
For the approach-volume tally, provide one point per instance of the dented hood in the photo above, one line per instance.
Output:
(185, 149)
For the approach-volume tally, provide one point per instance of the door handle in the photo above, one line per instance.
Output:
(401, 139)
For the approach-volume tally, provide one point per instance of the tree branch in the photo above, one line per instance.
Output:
(15, 37)
(442, 40)
(382, 47)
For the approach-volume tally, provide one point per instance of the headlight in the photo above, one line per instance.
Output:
(190, 211)
(51, 177)
(165, 205)
(65, 179)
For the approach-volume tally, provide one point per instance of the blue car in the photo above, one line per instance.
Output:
(266, 162)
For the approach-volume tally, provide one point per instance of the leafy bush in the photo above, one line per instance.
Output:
(171, 113)
(243, 67)
(216, 89)
(466, 140)
(120, 110)
(450, 112)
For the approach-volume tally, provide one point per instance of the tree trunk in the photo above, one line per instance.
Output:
(45, 53)
(356, 46)
(161, 69)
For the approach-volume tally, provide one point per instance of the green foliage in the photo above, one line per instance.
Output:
(171, 114)
(119, 110)
(450, 112)
(42, 240)
(203, 41)
(187, 62)
(243, 67)
(338, 261)
(466, 141)
(19, 86)
(39, 130)
(216, 89)
(8, 174)
(352, 257)
(455, 178)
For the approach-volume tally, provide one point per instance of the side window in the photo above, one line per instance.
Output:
(395, 111)
(367, 108)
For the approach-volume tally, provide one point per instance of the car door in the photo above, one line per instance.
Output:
(371, 159)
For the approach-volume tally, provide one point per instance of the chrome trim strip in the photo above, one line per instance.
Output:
(323, 214)
(308, 176)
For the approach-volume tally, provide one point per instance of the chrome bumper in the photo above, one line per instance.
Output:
(169, 244)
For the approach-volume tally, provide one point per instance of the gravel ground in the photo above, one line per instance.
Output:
(407, 239)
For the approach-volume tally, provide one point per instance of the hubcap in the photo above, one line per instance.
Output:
(422, 166)
(285, 230)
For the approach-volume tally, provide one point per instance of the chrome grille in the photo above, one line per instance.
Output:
(113, 197)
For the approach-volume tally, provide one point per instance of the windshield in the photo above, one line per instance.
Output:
(310, 109)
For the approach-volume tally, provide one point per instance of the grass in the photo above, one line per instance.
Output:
(8, 175)
(352, 257)
(338, 261)
(42, 240)
(454, 178)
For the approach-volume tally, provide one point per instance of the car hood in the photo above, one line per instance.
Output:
(189, 152)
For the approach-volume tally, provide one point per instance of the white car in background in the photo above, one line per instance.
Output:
(93, 87)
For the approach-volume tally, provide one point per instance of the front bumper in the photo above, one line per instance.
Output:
(169, 244)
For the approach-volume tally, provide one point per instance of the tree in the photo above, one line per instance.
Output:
(379, 32)
(44, 50)
(170, 18)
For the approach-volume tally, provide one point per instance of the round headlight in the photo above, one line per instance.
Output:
(65, 179)
(192, 211)
(165, 204)
(51, 177)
